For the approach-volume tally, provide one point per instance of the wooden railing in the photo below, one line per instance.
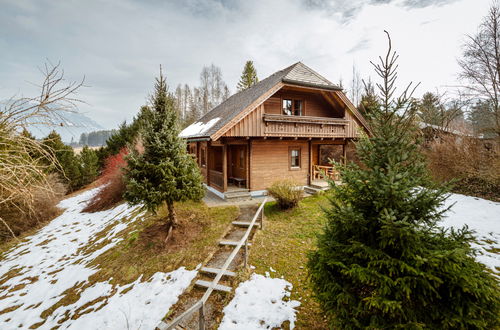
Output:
(216, 178)
(281, 125)
(200, 304)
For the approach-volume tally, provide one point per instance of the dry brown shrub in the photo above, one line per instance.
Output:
(286, 192)
(113, 184)
(465, 160)
(43, 208)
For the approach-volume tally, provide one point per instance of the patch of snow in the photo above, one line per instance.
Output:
(137, 305)
(260, 303)
(198, 128)
(482, 216)
(38, 271)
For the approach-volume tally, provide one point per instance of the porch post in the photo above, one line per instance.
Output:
(207, 158)
(309, 175)
(249, 170)
(224, 165)
(344, 152)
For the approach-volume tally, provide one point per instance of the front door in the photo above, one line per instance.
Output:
(238, 165)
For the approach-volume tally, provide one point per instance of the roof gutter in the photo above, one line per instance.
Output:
(198, 139)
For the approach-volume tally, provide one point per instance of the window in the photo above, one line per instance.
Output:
(242, 158)
(203, 156)
(294, 154)
(292, 107)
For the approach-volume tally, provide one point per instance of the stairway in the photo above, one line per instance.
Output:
(237, 195)
(227, 244)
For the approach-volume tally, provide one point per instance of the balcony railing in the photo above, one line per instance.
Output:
(304, 126)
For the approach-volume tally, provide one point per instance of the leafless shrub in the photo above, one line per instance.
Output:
(466, 160)
(16, 220)
(23, 160)
(287, 193)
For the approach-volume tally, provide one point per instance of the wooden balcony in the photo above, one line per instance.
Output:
(304, 126)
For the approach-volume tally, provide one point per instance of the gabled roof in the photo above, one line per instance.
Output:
(296, 74)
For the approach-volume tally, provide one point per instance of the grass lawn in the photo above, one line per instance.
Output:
(283, 245)
(143, 250)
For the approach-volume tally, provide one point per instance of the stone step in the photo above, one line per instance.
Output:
(312, 190)
(237, 195)
(218, 287)
(245, 223)
(216, 271)
(231, 243)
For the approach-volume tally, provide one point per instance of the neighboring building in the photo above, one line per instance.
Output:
(288, 125)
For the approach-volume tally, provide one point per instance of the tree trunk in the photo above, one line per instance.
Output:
(172, 220)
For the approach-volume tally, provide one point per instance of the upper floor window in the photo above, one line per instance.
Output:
(292, 107)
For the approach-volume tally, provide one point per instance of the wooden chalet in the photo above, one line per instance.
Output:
(288, 125)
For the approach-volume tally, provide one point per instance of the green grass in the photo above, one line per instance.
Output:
(142, 252)
(283, 245)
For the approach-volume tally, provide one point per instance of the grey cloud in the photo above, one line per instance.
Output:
(362, 44)
(348, 9)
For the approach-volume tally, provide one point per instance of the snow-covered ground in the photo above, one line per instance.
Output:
(482, 216)
(260, 303)
(36, 273)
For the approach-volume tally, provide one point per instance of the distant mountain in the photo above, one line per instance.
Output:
(73, 125)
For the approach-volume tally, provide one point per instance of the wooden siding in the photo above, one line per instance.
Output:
(250, 125)
(270, 162)
(317, 105)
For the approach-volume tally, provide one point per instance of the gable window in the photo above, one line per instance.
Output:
(294, 158)
(292, 107)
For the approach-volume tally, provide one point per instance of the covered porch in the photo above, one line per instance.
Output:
(227, 168)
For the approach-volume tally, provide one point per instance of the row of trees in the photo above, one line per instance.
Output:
(193, 102)
(95, 138)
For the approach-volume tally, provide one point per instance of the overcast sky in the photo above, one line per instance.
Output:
(118, 45)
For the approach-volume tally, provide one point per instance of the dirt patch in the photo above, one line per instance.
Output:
(182, 235)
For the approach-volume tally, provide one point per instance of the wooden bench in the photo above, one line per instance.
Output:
(238, 181)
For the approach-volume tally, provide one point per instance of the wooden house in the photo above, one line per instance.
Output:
(288, 125)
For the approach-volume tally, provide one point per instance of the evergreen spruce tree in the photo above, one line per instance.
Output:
(369, 101)
(248, 77)
(382, 260)
(89, 165)
(68, 164)
(164, 172)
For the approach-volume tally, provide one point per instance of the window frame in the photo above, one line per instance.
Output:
(293, 99)
(299, 158)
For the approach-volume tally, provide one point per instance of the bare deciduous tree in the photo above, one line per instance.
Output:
(23, 160)
(480, 64)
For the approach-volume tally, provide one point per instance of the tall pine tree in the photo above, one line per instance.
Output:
(382, 261)
(248, 77)
(164, 172)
